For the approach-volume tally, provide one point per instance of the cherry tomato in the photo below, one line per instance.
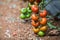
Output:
(38, 1)
(34, 17)
(22, 16)
(28, 15)
(43, 14)
(23, 10)
(41, 33)
(35, 24)
(36, 30)
(31, 1)
(43, 21)
(34, 8)
(44, 28)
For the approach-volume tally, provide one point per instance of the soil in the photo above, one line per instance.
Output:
(14, 28)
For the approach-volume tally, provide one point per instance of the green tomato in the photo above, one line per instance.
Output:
(28, 8)
(23, 10)
(41, 33)
(22, 16)
(28, 15)
(29, 11)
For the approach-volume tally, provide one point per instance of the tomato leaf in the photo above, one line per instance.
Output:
(51, 26)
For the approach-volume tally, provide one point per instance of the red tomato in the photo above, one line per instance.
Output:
(43, 14)
(34, 8)
(38, 1)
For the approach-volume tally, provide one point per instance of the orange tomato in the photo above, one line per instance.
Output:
(43, 14)
(35, 24)
(34, 8)
(43, 28)
(36, 30)
(43, 21)
(34, 17)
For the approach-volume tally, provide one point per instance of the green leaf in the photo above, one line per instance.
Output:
(51, 26)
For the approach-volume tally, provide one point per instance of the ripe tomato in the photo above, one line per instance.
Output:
(34, 17)
(34, 8)
(36, 30)
(35, 24)
(38, 1)
(43, 28)
(31, 1)
(43, 14)
(43, 21)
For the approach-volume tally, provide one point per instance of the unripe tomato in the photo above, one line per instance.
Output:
(41, 33)
(28, 15)
(43, 21)
(22, 16)
(43, 14)
(35, 24)
(43, 28)
(34, 17)
(36, 30)
(23, 10)
(34, 8)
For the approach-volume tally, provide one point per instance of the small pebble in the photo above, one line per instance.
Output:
(1, 3)
(8, 1)
(7, 33)
(54, 32)
(14, 33)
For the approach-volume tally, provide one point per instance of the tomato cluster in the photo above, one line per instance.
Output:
(38, 19)
(25, 13)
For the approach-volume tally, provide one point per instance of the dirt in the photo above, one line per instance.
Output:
(12, 27)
